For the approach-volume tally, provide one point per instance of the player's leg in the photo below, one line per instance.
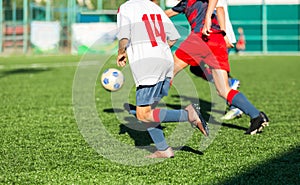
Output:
(220, 71)
(178, 65)
(132, 108)
(220, 77)
(145, 97)
(144, 114)
(162, 115)
(154, 93)
(258, 119)
(153, 118)
(233, 111)
(203, 71)
(190, 52)
(237, 99)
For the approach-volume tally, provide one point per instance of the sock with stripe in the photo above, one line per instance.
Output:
(164, 115)
(158, 138)
(238, 100)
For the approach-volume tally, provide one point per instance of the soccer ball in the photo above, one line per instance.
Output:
(112, 79)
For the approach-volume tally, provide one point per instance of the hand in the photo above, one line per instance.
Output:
(228, 43)
(207, 27)
(121, 59)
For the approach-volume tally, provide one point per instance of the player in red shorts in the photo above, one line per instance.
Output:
(206, 44)
(241, 43)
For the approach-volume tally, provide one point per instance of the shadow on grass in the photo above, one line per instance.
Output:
(111, 110)
(234, 126)
(282, 170)
(138, 133)
(23, 71)
(205, 111)
(188, 149)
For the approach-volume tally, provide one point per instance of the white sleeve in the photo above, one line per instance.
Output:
(221, 3)
(170, 29)
(123, 24)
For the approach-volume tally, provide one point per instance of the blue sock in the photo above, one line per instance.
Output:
(241, 102)
(232, 107)
(158, 138)
(164, 115)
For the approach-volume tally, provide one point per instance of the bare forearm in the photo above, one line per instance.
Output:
(121, 58)
(211, 7)
(122, 45)
(221, 18)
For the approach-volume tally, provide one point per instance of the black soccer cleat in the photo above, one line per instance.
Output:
(257, 124)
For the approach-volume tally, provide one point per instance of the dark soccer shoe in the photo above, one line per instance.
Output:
(257, 124)
(196, 119)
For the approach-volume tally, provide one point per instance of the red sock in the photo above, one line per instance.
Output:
(156, 115)
(231, 95)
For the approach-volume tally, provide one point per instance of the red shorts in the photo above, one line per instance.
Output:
(210, 50)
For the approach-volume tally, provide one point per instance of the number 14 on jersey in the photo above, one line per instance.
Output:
(154, 32)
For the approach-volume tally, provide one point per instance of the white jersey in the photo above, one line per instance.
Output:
(229, 29)
(147, 28)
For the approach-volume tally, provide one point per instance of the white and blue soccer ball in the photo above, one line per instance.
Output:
(112, 79)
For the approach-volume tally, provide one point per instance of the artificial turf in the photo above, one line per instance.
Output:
(42, 141)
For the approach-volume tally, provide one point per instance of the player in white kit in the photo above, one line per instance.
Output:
(222, 13)
(225, 24)
(145, 36)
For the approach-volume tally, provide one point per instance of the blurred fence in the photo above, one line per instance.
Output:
(268, 27)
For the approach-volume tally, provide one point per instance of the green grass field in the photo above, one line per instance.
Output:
(41, 142)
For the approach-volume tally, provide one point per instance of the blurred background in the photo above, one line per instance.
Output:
(80, 26)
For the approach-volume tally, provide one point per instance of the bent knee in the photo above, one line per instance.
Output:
(144, 117)
(223, 93)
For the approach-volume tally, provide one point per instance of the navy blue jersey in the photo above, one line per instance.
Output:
(195, 11)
